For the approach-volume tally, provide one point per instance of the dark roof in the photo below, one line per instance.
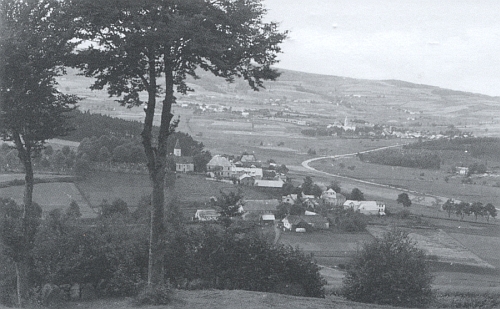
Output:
(293, 219)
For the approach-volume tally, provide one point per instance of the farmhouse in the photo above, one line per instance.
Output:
(366, 207)
(290, 198)
(206, 215)
(220, 166)
(461, 170)
(333, 198)
(246, 180)
(292, 222)
(252, 171)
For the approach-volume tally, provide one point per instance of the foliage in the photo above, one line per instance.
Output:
(117, 207)
(33, 42)
(111, 256)
(335, 185)
(229, 204)
(404, 199)
(483, 147)
(405, 157)
(171, 39)
(356, 195)
(391, 271)
(349, 220)
(73, 210)
(211, 257)
(161, 294)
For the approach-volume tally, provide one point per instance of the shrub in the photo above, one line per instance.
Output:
(389, 271)
(351, 221)
(155, 295)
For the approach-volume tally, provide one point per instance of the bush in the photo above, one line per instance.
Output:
(155, 295)
(352, 221)
(389, 271)
(219, 258)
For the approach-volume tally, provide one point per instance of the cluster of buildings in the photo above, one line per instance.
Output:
(246, 171)
(265, 211)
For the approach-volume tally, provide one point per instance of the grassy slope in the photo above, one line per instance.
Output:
(236, 299)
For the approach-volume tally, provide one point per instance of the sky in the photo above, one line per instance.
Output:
(452, 44)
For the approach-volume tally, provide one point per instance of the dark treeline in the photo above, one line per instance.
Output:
(477, 147)
(86, 124)
(130, 150)
(406, 158)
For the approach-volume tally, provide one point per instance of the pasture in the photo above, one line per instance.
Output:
(421, 180)
(50, 196)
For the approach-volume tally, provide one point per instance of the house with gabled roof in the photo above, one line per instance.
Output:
(333, 198)
(220, 166)
(366, 207)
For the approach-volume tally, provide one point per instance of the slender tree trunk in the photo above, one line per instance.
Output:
(29, 224)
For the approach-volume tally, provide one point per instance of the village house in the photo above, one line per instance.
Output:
(206, 215)
(220, 166)
(260, 210)
(246, 180)
(290, 198)
(252, 171)
(462, 170)
(292, 222)
(333, 198)
(366, 207)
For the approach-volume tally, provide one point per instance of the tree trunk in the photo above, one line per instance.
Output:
(156, 158)
(29, 224)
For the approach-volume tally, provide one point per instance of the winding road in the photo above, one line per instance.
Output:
(383, 190)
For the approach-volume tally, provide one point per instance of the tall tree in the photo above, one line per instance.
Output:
(138, 42)
(33, 43)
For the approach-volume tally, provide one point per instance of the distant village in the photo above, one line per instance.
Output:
(347, 128)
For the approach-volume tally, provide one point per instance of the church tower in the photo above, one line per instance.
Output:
(177, 149)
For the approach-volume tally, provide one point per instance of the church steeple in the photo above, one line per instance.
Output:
(177, 149)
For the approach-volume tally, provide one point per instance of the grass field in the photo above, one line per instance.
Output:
(189, 190)
(425, 181)
(52, 196)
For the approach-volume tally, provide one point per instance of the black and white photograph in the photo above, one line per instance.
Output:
(249, 154)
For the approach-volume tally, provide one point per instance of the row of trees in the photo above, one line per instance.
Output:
(462, 209)
(405, 158)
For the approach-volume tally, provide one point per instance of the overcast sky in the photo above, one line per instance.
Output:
(447, 43)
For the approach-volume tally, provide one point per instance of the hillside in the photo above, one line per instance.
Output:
(325, 98)
(235, 299)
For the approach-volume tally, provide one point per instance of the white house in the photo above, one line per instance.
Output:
(206, 215)
(220, 166)
(366, 207)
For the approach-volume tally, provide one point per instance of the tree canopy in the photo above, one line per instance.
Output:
(135, 43)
